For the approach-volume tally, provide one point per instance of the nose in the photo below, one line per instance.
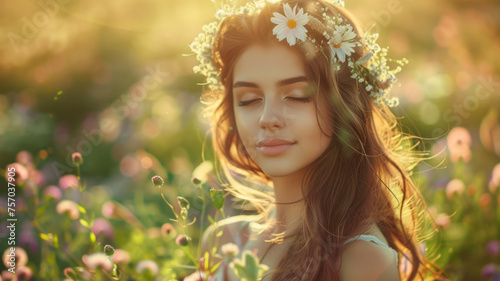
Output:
(272, 117)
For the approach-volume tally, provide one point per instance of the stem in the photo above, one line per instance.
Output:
(202, 218)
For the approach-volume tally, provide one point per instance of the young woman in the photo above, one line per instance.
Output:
(298, 98)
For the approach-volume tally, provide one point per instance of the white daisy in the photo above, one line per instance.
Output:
(339, 42)
(290, 26)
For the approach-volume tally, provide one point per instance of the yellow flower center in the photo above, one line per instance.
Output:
(291, 24)
(337, 46)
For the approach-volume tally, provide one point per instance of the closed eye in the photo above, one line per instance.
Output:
(303, 100)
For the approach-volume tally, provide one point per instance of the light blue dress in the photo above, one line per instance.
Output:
(220, 274)
(371, 238)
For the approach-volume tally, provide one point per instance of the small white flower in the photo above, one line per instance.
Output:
(230, 250)
(290, 26)
(339, 44)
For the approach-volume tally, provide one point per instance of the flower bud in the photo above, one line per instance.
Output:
(157, 181)
(109, 250)
(77, 158)
(183, 202)
(181, 240)
(195, 180)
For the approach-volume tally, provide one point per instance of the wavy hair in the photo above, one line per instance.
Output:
(363, 177)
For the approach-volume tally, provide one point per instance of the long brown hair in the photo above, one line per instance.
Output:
(363, 177)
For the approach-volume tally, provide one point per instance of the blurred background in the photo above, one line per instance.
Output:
(113, 80)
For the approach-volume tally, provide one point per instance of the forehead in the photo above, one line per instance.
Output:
(267, 64)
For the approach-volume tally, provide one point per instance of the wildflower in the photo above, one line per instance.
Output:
(20, 255)
(109, 250)
(488, 271)
(484, 200)
(147, 265)
(471, 190)
(108, 209)
(53, 191)
(339, 43)
(77, 158)
(121, 256)
(102, 225)
(195, 180)
(454, 186)
(18, 172)
(157, 181)
(202, 172)
(181, 240)
(68, 181)
(443, 220)
(291, 25)
(70, 273)
(68, 207)
(493, 247)
(459, 142)
(230, 250)
(24, 273)
(97, 260)
(167, 229)
(24, 157)
(27, 239)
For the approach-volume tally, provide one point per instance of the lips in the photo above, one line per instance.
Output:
(274, 146)
(273, 142)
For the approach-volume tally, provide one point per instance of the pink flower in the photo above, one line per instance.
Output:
(20, 257)
(24, 157)
(27, 240)
(76, 158)
(168, 230)
(146, 265)
(53, 191)
(459, 142)
(488, 271)
(102, 225)
(24, 273)
(493, 247)
(495, 178)
(68, 207)
(121, 257)
(181, 240)
(443, 220)
(109, 209)
(16, 171)
(454, 186)
(68, 181)
(36, 177)
(96, 260)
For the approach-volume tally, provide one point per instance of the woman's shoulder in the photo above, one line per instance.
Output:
(364, 260)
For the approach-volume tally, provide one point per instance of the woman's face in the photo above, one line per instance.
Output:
(275, 110)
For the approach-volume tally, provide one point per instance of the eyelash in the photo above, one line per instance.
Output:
(303, 100)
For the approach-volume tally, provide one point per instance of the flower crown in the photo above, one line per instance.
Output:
(371, 69)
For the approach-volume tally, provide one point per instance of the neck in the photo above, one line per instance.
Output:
(289, 209)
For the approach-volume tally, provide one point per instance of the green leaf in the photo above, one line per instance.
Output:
(92, 237)
(42, 208)
(217, 196)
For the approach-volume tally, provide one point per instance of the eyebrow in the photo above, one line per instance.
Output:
(280, 83)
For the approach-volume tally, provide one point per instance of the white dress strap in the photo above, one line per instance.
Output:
(371, 238)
